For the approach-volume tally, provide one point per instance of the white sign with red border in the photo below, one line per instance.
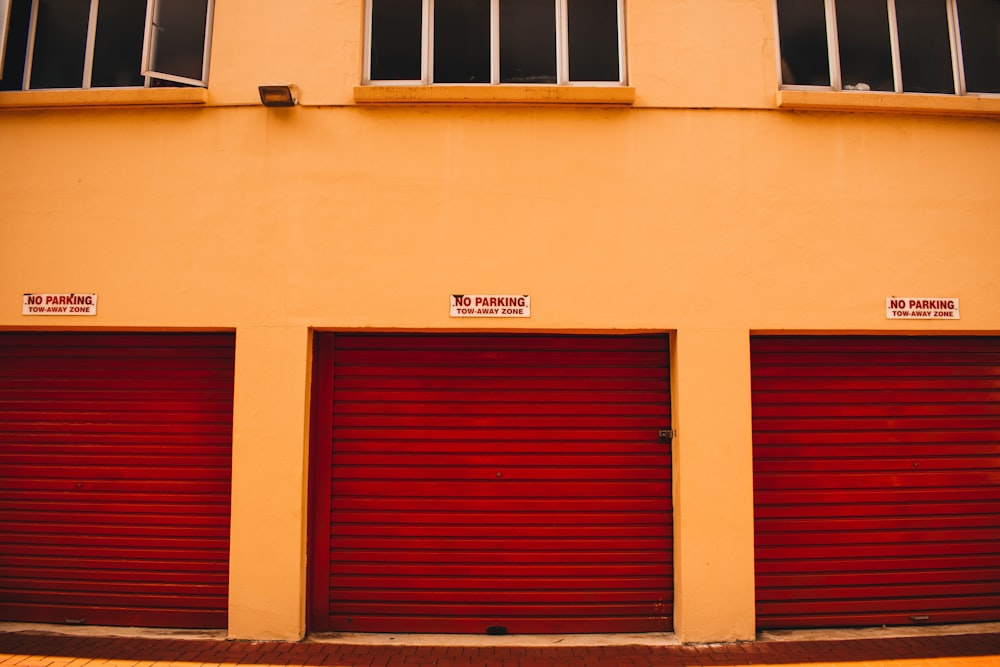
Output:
(59, 304)
(921, 308)
(490, 305)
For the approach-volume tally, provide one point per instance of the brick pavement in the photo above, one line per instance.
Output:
(39, 649)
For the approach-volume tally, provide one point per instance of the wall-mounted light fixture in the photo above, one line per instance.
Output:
(277, 96)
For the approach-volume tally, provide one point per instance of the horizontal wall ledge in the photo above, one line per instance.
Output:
(97, 97)
(495, 94)
(915, 103)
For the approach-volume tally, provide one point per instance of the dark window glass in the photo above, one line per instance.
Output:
(179, 37)
(60, 43)
(924, 46)
(865, 50)
(462, 41)
(118, 45)
(527, 41)
(396, 37)
(17, 45)
(805, 59)
(980, 27)
(593, 40)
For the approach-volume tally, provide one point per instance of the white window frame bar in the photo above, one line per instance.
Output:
(622, 69)
(4, 22)
(427, 50)
(957, 59)
(147, 37)
(206, 53)
(426, 40)
(88, 56)
(562, 41)
(833, 46)
(897, 67)
(777, 46)
(29, 55)
(366, 60)
(494, 42)
(147, 48)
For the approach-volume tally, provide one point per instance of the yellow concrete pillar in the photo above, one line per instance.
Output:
(713, 486)
(268, 538)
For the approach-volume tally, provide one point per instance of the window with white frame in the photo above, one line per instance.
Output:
(495, 41)
(58, 44)
(902, 46)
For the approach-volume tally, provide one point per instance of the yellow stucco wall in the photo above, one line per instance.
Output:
(624, 218)
(702, 210)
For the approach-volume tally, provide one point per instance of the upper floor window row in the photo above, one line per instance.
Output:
(913, 46)
(54, 44)
(495, 41)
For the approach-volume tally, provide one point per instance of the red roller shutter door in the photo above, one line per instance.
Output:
(115, 457)
(479, 481)
(877, 480)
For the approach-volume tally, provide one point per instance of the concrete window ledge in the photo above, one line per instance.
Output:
(908, 103)
(100, 97)
(495, 94)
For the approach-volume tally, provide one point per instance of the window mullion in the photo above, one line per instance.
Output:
(957, 60)
(4, 21)
(621, 43)
(367, 64)
(30, 54)
(494, 41)
(897, 72)
(562, 41)
(426, 41)
(88, 58)
(833, 45)
(207, 46)
(147, 40)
